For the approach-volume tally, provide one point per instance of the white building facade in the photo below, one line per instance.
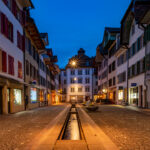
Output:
(78, 82)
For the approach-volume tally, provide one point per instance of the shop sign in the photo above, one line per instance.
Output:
(133, 84)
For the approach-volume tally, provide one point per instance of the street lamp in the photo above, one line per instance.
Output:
(73, 63)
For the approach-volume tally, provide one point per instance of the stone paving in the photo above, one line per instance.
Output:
(17, 130)
(128, 129)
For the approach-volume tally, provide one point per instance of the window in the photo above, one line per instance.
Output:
(80, 89)
(110, 82)
(87, 89)
(64, 73)
(17, 97)
(79, 80)
(122, 77)
(10, 65)
(113, 66)
(33, 95)
(87, 71)
(64, 81)
(114, 81)
(72, 90)
(72, 72)
(10, 31)
(72, 80)
(79, 72)
(87, 80)
(19, 70)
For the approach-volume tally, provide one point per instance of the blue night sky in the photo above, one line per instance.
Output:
(72, 24)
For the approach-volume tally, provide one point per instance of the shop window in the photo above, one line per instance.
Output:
(120, 94)
(33, 95)
(134, 95)
(17, 97)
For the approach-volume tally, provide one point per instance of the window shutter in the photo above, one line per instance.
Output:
(4, 61)
(14, 7)
(6, 27)
(2, 23)
(19, 69)
(11, 65)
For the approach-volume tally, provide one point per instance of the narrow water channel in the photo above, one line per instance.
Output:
(72, 131)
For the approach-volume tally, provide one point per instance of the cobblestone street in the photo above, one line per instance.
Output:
(19, 129)
(128, 129)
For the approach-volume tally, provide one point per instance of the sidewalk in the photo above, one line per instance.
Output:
(141, 110)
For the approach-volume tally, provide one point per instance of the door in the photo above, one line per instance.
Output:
(1, 101)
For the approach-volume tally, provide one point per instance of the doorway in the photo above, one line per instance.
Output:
(1, 101)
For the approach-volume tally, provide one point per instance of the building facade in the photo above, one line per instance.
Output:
(12, 47)
(77, 79)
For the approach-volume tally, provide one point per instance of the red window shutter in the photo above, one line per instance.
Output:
(4, 61)
(13, 66)
(19, 70)
(6, 26)
(2, 23)
(10, 65)
(14, 7)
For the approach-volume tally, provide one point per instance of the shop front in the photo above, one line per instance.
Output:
(134, 96)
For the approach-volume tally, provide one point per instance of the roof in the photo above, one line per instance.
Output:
(112, 30)
(81, 59)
